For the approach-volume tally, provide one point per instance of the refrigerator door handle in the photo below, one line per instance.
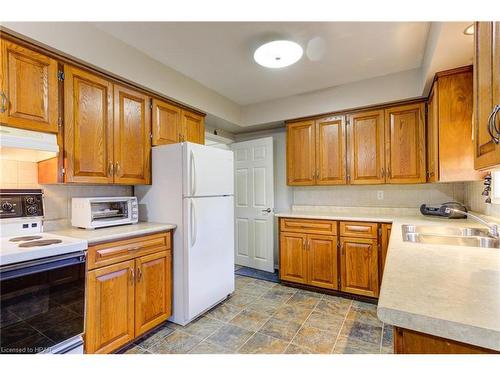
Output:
(193, 223)
(192, 174)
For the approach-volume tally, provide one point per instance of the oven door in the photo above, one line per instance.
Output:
(42, 305)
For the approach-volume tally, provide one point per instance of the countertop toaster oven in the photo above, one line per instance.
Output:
(92, 213)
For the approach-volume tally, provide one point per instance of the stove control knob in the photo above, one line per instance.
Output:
(7, 206)
(30, 200)
(32, 210)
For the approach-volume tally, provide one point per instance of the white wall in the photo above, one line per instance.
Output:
(392, 87)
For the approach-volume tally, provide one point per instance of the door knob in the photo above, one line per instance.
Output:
(268, 210)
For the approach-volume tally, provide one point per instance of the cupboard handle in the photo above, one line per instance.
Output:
(382, 172)
(139, 274)
(111, 168)
(492, 128)
(117, 168)
(3, 107)
(132, 275)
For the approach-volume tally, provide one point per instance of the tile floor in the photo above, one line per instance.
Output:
(269, 318)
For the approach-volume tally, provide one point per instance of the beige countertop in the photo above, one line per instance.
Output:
(443, 290)
(113, 233)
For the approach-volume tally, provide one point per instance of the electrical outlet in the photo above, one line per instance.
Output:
(380, 195)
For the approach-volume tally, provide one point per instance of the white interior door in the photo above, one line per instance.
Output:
(254, 203)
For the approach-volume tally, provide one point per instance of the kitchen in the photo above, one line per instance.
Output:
(150, 205)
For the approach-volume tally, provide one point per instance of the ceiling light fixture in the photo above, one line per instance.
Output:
(469, 30)
(278, 54)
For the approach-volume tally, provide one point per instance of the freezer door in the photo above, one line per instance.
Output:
(210, 251)
(208, 171)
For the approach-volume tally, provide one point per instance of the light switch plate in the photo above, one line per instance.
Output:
(380, 195)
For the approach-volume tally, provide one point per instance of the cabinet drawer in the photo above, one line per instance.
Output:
(309, 226)
(117, 251)
(358, 229)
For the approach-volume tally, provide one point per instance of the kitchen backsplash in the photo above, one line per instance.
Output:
(475, 201)
(24, 175)
(410, 196)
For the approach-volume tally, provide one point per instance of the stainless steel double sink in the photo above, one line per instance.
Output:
(442, 235)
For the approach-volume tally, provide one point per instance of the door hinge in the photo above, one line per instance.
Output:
(60, 75)
(150, 135)
(59, 121)
(380, 231)
(63, 171)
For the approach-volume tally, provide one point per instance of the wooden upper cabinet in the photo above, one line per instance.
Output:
(109, 322)
(293, 263)
(132, 136)
(365, 147)
(29, 89)
(433, 135)
(486, 93)
(322, 261)
(405, 144)
(330, 151)
(88, 127)
(359, 266)
(166, 123)
(193, 127)
(300, 153)
(153, 292)
(450, 150)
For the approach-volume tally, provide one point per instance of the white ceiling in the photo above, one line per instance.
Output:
(220, 55)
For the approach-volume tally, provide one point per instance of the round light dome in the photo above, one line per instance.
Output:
(278, 54)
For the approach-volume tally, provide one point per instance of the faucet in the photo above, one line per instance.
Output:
(493, 229)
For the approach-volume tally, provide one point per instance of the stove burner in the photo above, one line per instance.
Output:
(39, 243)
(25, 238)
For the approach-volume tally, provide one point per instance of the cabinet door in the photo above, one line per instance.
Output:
(365, 139)
(293, 266)
(29, 84)
(132, 137)
(300, 153)
(322, 261)
(110, 307)
(153, 291)
(193, 127)
(405, 144)
(330, 151)
(88, 127)
(432, 134)
(486, 91)
(359, 266)
(166, 123)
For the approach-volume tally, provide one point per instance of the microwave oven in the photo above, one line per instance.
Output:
(92, 213)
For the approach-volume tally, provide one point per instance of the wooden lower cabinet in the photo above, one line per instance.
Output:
(309, 256)
(410, 342)
(309, 259)
(359, 266)
(126, 299)
(322, 261)
(153, 291)
(293, 266)
(110, 307)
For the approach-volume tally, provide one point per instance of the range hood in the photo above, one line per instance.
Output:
(26, 145)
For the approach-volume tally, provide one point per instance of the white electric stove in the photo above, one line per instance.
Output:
(42, 280)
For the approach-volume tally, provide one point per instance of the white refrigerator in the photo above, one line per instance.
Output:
(193, 187)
